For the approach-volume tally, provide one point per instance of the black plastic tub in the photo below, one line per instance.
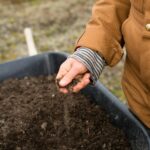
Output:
(48, 63)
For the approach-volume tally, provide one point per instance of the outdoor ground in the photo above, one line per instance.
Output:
(56, 25)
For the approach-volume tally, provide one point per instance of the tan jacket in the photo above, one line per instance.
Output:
(112, 23)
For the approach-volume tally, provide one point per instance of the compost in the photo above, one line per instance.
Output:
(34, 115)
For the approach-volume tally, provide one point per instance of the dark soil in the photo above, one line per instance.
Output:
(35, 116)
(68, 87)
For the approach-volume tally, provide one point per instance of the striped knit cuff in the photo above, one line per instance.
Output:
(92, 60)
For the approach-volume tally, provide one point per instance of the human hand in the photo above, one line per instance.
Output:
(71, 69)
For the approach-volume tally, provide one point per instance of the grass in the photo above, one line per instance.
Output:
(56, 25)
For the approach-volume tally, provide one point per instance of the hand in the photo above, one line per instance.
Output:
(70, 70)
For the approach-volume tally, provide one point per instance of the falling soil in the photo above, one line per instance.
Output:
(35, 116)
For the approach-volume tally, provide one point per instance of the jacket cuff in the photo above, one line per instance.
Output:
(92, 60)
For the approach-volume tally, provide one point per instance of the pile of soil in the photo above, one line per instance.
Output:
(35, 116)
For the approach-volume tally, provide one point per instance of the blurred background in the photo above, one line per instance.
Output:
(56, 25)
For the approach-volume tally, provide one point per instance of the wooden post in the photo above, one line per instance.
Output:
(30, 42)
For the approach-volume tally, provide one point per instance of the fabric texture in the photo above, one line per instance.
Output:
(112, 23)
(92, 60)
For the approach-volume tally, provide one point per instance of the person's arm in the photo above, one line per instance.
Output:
(103, 32)
(92, 60)
(102, 35)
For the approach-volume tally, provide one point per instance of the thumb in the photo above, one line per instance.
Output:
(69, 77)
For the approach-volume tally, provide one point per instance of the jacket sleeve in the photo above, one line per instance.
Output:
(103, 32)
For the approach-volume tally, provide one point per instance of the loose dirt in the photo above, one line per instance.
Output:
(35, 116)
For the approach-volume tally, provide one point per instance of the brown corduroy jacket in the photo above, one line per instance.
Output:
(112, 23)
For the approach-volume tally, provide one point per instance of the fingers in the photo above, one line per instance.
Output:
(69, 77)
(64, 90)
(64, 68)
(83, 83)
(70, 70)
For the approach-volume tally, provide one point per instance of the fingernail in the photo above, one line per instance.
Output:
(62, 83)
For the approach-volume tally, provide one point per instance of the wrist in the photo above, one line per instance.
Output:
(92, 60)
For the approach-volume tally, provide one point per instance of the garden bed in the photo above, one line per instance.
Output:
(35, 116)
